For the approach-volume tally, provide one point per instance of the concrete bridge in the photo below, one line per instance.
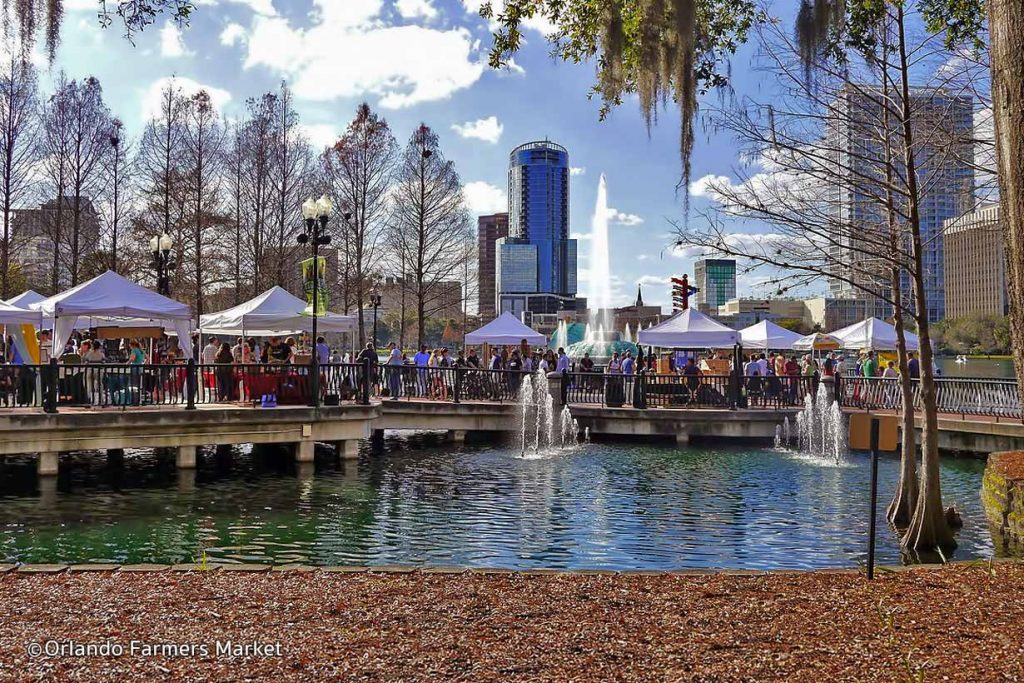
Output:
(23, 431)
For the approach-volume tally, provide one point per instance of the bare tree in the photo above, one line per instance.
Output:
(19, 150)
(431, 223)
(360, 169)
(290, 176)
(89, 118)
(204, 139)
(57, 147)
(255, 156)
(118, 194)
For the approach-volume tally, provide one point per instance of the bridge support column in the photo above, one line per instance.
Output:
(456, 436)
(185, 458)
(115, 457)
(305, 451)
(377, 440)
(347, 450)
(48, 464)
(682, 439)
(186, 480)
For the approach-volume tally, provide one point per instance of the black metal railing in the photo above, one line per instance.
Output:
(959, 396)
(650, 390)
(189, 385)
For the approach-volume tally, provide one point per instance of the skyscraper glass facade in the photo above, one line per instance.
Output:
(538, 190)
(715, 280)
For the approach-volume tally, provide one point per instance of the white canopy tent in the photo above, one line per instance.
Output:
(768, 336)
(14, 315)
(873, 334)
(110, 296)
(689, 329)
(26, 299)
(275, 311)
(507, 330)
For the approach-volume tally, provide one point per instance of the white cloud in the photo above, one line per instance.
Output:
(187, 87)
(484, 198)
(232, 34)
(350, 52)
(261, 7)
(654, 281)
(577, 170)
(320, 135)
(537, 23)
(488, 130)
(171, 43)
(745, 242)
(616, 217)
(416, 9)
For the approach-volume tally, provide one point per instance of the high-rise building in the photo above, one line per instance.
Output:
(715, 280)
(943, 149)
(536, 263)
(490, 229)
(33, 230)
(975, 264)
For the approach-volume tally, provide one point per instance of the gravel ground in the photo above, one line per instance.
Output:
(958, 623)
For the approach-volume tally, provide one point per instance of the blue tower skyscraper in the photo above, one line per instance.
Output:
(536, 265)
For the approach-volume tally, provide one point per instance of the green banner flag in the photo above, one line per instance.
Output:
(321, 284)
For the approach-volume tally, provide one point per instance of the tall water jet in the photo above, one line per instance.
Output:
(820, 427)
(600, 293)
(540, 427)
(627, 334)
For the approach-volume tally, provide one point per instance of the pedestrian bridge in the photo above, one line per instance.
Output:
(112, 408)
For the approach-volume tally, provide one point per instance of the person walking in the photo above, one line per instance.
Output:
(394, 371)
(422, 360)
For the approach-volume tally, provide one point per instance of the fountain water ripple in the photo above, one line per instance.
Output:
(820, 428)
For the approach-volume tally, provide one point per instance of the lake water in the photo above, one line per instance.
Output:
(617, 506)
(977, 367)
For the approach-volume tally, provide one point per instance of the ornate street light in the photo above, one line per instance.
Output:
(316, 214)
(163, 262)
(375, 300)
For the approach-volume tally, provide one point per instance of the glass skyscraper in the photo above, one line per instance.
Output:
(536, 265)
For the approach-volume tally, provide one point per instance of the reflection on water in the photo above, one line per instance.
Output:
(426, 503)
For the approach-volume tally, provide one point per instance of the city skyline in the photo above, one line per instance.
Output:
(235, 49)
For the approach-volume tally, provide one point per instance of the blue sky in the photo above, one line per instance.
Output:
(425, 60)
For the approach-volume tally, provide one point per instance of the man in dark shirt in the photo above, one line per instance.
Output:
(914, 366)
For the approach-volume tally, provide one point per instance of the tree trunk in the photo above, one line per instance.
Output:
(904, 500)
(928, 530)
(1006, 45)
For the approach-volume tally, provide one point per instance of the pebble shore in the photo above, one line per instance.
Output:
(247, 622)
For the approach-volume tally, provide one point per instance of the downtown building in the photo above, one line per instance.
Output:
(975, 264)
(535, 265)
(35, 249)
(943, 128)
(715, 280)
(490, 229)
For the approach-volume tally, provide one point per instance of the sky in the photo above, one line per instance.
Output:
(425, 61)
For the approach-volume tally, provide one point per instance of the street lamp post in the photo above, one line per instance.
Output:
(375, 302)
(316, 214)
(163, 262)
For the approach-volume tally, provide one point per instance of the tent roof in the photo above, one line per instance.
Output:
(818, 341)
(275, 311)
(505, 329)
(873, 334)
(689, 329)
(13, 315)
(26, 299)
(767, 335)
(111, 296)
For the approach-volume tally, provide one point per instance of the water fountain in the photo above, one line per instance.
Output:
(541, 429)
(627, 334)
(600, 294)
(820, 428)
(561, 335)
